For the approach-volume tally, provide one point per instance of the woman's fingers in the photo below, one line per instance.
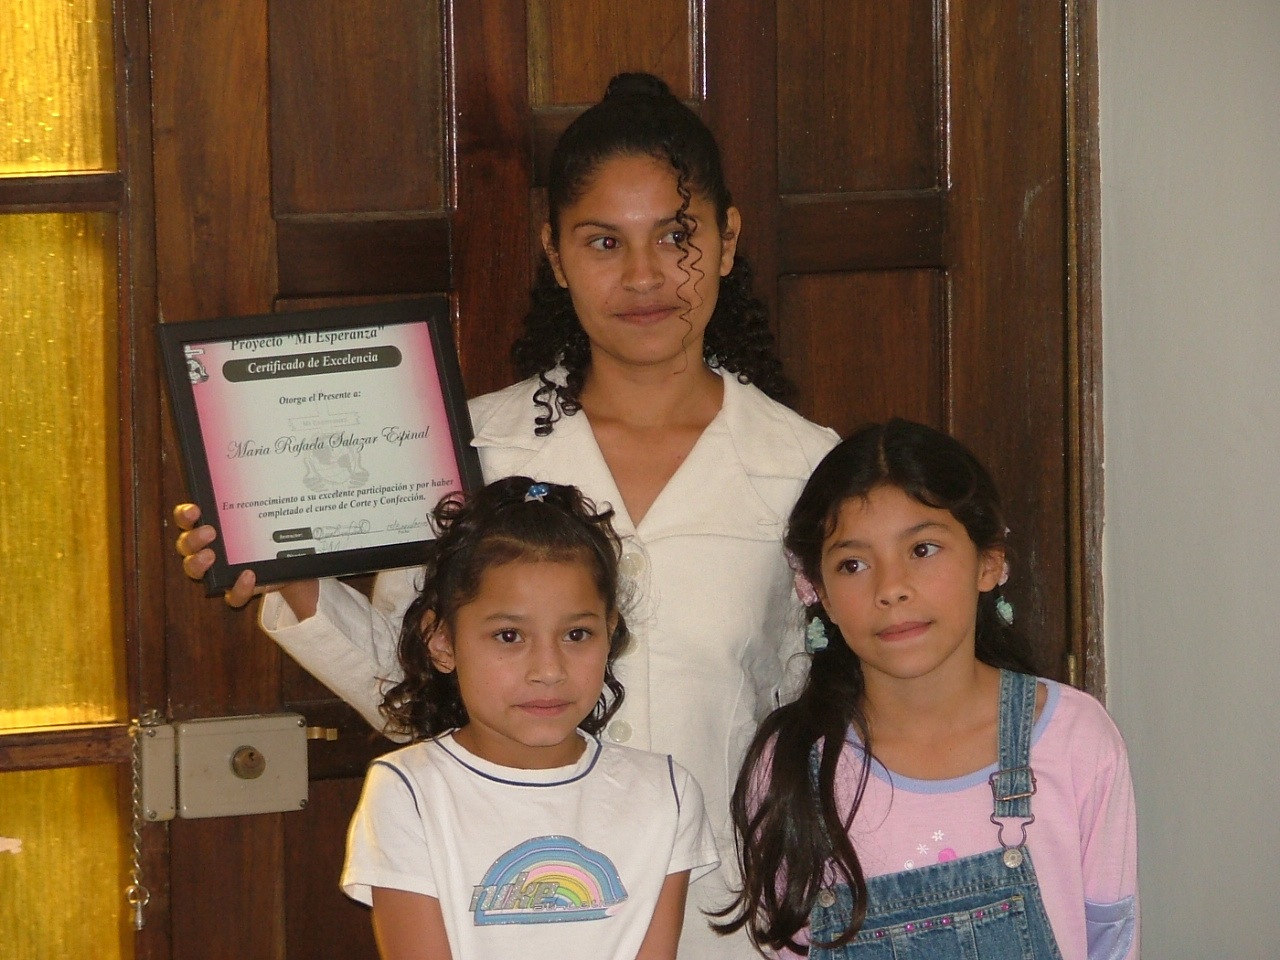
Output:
(186, 516)
(193, 541)
(193, 546)
(242, 591)
(245, 588)
(195, 565)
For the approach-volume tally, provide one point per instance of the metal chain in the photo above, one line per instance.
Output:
(135, 894)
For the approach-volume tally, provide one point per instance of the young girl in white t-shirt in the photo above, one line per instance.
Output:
(926, 796)
(507, 829)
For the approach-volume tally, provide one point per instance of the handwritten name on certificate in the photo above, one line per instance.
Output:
(323, 440)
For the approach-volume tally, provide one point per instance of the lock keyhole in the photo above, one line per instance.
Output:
(248, 763)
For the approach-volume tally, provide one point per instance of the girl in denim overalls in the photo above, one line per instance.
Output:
(925, 797)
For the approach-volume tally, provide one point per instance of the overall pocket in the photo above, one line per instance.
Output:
(995, 930)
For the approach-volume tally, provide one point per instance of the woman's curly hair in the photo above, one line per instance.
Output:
(639, 116)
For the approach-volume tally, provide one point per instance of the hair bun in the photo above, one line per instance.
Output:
(637, 84)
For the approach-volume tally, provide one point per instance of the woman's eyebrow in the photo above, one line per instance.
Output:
(597, 224)
(658, 224)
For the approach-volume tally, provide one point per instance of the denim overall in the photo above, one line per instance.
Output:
(983, 907)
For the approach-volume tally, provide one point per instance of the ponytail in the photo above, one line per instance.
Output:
(793, 840)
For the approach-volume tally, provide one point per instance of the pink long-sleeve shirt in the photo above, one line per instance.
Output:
(1083, 841)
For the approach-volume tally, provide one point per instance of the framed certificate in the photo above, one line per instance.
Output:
(319, 442)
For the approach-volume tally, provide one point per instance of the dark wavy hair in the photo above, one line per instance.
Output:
(791, 837)
(639, 116)
(495, 525)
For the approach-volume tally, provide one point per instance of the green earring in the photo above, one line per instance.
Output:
(815, 636)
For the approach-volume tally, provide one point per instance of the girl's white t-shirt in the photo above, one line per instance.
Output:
(564, 863)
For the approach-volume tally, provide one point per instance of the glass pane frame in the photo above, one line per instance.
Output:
(98, 200)
(119, 187)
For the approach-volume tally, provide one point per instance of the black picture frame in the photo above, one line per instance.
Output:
(292, 353)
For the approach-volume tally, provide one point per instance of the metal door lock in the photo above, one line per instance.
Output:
(225, 766)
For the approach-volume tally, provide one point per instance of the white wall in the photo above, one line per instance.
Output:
(1190, 135)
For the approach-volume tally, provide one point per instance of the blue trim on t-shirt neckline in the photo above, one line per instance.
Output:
(508, 776)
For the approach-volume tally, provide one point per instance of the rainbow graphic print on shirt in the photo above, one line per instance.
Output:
(547, 880)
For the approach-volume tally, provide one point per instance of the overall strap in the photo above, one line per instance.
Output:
(1014, 783)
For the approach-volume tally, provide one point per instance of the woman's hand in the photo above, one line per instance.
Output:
(197, 557)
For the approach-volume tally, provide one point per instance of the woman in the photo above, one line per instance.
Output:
(652, 386)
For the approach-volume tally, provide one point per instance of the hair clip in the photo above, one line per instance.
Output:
(804, 589)
(803, 585)
(537, 491)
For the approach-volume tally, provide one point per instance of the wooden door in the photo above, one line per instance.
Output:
(902, 171)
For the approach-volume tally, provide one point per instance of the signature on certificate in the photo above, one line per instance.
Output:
(349, 529)
(403, 526)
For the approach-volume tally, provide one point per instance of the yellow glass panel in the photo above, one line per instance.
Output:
(63, 866)
(57, 87)
(61, 642)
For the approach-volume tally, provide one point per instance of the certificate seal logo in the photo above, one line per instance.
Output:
(196, 372)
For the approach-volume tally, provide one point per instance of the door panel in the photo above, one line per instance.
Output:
(930, 139)
(215, 256)
(490, 132)
(858, 97)
(357, 108)
(901, 175)
(1007, 238)
(353, 99)
(225, 891)
(574, 48)
(879, 336)
(320, 920)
